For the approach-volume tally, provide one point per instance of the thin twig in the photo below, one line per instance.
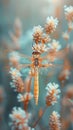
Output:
(35, 124)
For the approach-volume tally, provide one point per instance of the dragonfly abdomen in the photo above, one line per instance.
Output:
(36, 87)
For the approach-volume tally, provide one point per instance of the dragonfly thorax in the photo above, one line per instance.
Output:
(36, 62)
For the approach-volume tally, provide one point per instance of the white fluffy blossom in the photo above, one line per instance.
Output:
(14, 73)
(51, 24)
(37, 33)
(65, 35)
(52, 93)
(17, 82)
(54, 45)
(40, 48)
(54, 121)
(68, 12)
(19, 119)
(23, 97)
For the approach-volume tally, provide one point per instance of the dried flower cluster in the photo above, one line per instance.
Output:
(14, 58)
(69, 16)
(37, 33)
(24, 97)
(69, 13)
(51, 24)
(19, 119)
(54, 121)
(17, 81)
(52, 93)
(40, 48)
(65, 35)
(55, 45)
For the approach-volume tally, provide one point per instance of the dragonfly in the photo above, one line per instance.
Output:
(37, 62)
